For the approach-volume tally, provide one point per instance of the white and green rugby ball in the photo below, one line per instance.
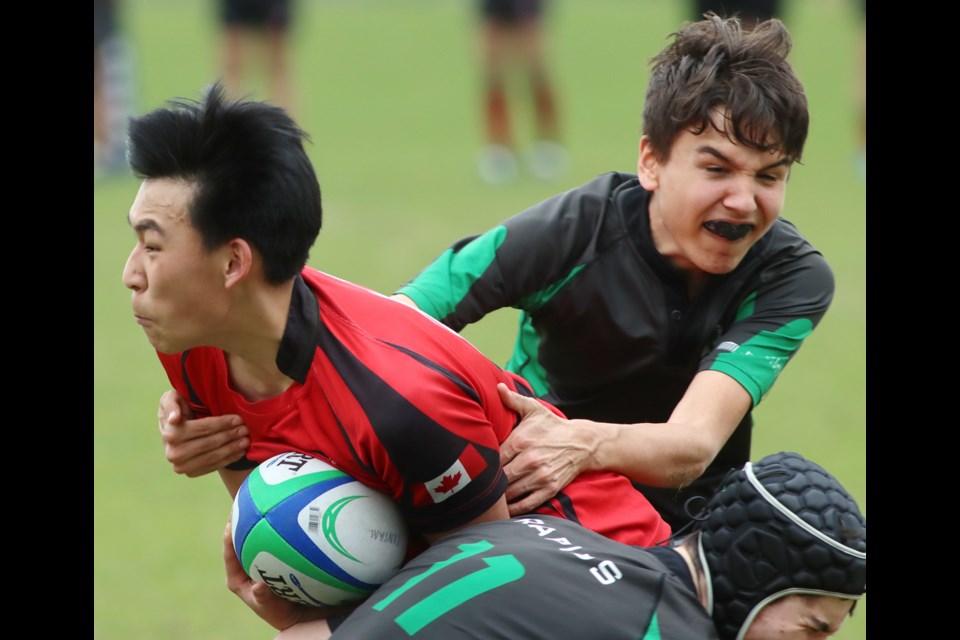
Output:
(314, 534)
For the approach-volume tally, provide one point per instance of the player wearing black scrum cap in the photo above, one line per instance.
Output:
(779, 553)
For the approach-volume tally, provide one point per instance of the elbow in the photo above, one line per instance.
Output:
(696, 464)
(694, 471)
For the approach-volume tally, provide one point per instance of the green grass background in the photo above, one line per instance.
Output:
(389, 94)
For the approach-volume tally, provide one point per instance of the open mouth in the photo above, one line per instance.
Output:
(727, 230)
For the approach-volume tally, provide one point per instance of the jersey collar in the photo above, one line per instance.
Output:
(299, 344)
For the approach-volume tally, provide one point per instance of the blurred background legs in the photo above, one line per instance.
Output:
(112, 90)
(256, 47)
(513, 49)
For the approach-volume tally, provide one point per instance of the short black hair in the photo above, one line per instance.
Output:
(252, 177)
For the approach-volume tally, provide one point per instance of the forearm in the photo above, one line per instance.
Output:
(314, 630)
(233, 479)
(546, 451)
(676, 452)
(655, 454)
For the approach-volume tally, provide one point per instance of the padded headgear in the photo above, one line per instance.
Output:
(778, 527)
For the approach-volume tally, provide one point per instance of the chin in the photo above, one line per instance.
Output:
(167, 348)
(719, 265)
(720, 268)
(163, 346)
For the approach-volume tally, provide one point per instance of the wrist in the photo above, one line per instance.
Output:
(596, 440)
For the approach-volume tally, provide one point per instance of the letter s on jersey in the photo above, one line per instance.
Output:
(606, 572)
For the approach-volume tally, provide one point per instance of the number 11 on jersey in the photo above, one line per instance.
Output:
(500, 570)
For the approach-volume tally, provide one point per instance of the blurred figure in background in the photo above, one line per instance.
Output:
(512, 37)
(255, 32)
(111, 90)
(750, 12)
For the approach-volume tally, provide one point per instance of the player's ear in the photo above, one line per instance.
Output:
(648, 166)
(239, 261)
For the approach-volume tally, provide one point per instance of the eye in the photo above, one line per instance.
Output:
(149, 242)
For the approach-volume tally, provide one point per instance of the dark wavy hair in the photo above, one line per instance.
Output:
(716, 66)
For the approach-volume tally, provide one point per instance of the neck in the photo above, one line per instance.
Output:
(695, 282)
(253, 343)
(688, 553)
(667, 247)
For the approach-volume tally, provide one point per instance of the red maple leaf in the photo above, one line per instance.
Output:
(448, 483)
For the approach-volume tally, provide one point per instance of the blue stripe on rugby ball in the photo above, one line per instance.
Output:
(248, 516)
(283, 520)
(256, 496)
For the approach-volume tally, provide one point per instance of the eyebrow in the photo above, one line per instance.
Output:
(713, 151)
(147, 225)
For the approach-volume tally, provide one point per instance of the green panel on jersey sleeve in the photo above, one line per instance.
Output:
(524, 360)
(746, 309)
(536, 300)
(756, 363)
(439, 288)
(653, 631)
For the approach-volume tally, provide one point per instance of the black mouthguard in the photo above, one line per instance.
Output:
(728, 230)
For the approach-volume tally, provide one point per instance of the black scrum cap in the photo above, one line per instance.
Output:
(778, 527)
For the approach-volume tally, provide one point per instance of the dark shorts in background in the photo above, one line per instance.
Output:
(256, 13)
(104, 21)
(511, 11)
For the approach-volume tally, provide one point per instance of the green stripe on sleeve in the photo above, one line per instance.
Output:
(440, 287)
(756, 363)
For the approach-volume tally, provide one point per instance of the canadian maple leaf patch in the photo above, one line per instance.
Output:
(449, 483)
(454, 479)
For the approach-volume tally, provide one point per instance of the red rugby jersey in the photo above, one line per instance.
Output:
(402, 403)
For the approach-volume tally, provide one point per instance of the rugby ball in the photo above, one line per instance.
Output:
(314, 534)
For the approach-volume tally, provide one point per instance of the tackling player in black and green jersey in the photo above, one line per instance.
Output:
(608, 330)
(658, 308)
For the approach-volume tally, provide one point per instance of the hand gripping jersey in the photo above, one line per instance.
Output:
(608, 331)
(403, 404)
(536, 578)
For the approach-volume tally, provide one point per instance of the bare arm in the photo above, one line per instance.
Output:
(546, 452)
(313, 630)
(279, 613)
(196, 446)
(399, 297)
(233, 479)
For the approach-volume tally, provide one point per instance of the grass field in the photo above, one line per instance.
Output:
(388, 93)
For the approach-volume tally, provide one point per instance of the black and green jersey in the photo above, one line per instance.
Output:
(607, 329)
(540, 578)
